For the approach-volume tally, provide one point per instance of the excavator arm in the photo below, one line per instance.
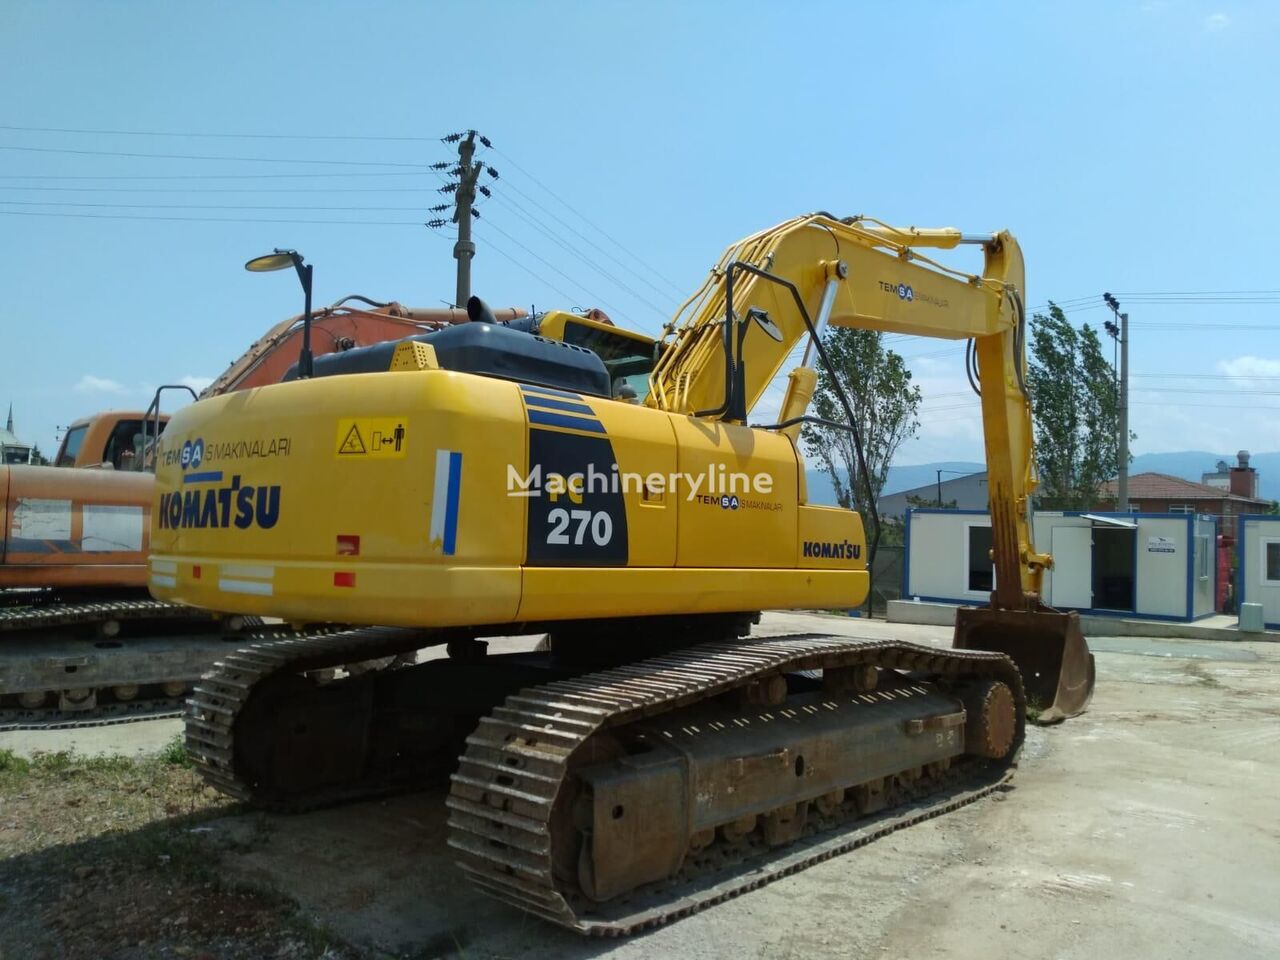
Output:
(775, 289)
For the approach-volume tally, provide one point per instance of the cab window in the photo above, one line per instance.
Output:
(124, 445)
(628, 361)
(71, 446)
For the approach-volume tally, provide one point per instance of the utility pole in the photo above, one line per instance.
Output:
(464, 249)
(1121, 327)
(464, 190)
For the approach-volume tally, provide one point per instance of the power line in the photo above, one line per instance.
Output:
(200, 176)
(1201, 325)
(1207, 376)
(581, 256)
(184, 156)
(657, 273)
(1202, 293)
(1206, 301)
(219, 136)
(309, 160)
(1206, 406)
(1181, 390)
(498, 250)
(552, 266)
(603, 252)
(126, 216)
(194, 206)
(532, 220)
(234, 189)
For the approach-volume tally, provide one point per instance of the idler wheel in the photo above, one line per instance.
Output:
(992, 719)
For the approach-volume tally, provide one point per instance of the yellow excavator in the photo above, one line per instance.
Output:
(560, 475)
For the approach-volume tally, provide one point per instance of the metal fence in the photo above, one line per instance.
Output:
(886, 578)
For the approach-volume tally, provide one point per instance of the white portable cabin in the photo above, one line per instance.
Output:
(1149, 565)
(1258, 565)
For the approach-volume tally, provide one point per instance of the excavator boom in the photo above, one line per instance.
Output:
(774, 289)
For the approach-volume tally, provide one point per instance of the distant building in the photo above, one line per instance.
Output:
(1241, 479)
(13, 450)
(960, 493)
(1220, 478)
(1161, 493)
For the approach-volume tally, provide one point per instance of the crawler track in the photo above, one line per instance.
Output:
(90, 614)
(113, 714)
(518, 761)
(520, 758)
(96, 648)
(220, 696)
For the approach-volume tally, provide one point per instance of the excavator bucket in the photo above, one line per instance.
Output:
(1048, 648)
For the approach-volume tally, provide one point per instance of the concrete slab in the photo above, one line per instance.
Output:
(137, 739)
(1216, 627)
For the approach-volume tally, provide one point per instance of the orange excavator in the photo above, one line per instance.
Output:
(80, 639)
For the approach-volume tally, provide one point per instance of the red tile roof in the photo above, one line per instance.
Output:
(1161, 486)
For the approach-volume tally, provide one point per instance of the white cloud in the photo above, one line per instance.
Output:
(1216, 21)
(196, 383)
(91, 384)
(1249, 366)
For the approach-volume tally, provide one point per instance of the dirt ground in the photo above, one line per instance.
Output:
(1146, 828)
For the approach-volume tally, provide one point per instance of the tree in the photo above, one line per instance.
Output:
(1076, 404)
(885, 403)
(38, 458)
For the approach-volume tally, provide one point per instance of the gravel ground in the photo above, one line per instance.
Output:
(1146, 828)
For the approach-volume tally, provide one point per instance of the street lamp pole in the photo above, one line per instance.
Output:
(958, 473)
(281, 260)
(1121, 328)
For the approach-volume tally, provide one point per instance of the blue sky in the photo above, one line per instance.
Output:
(1132, 147)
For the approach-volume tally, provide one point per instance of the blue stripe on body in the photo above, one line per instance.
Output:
(549, 392)
(451, 504)
(209, 476)
(560, 420)
(549, 404)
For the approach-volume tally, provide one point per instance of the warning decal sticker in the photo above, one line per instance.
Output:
(372, 437)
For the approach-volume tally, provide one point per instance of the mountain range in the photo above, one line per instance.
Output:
(1187, 464)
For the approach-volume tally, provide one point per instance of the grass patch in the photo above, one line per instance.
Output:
(71, 763)
(1034, 709)
(59, 799)
(174, 753)
(10, 762)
